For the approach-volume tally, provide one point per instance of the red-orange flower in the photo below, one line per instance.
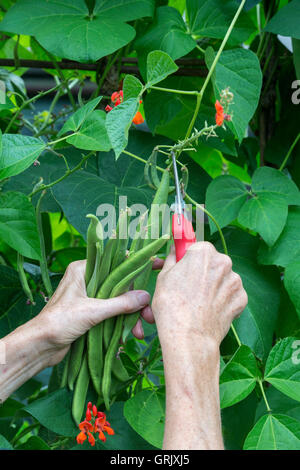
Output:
(81, 437)
(219, 114)
(95, 423)
(138, 118)
(116, 99)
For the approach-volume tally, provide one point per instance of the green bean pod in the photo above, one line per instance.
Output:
(93, 284)
(108, 254)
(153, 169)
(64, 377)
(94, 235)
(120, 289)
(76, 353)
(95, 355)
(109, 358)
(80, 392)
(132, 263)
(161, 197)
(122, 237)
(119, 371)
(129, 322)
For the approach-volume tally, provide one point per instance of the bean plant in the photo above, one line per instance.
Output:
(215, 82)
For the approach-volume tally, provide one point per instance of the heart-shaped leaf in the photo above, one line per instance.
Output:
(282, 367)
(274, 432)
(132, 87)
(159, 66)
(238, 377)
(292, 283)
(145, 413)
(287, 247)
(238, 69)
(76, 120)
(18, 153)
(18, 224)
(66, 29)
(118, 122)
(92, 135)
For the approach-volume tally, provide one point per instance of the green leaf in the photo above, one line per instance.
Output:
(213, 17)
(225, 196)
(104, 180)
(287, 247)
(257, 323)
(237, 421)
(274, 432)
(34, 443)
(286, 21)
(296, 55)
(92, 135)
(18, 153)
(18, 224)
(132, 87)
(266, 214)
(54, 412)
(76, 120)
(10, 286)
(168, 33)
(145, 413)
(282, 367)
(4, 444)
(159, 66)
(292, 283)
(238, 378)
(65, 28)
(18, 313)
(238, 69)
(279, 404)
(118, 122)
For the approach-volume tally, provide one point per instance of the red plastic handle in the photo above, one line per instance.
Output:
(183, 234)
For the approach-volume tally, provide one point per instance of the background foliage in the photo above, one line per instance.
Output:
(248, 177)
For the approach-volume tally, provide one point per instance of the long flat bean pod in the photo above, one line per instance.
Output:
(80, 392)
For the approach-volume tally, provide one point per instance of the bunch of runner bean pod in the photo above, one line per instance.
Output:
(111, 271)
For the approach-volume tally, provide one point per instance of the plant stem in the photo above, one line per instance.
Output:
(171, 90)
(235, 335)
(63, 79)
(23, 278)
(264, 395)
(54, 142)
(68, 173)
(202, 208)
(229, 31)
(289, 152)
(192, 123)
(109, 65)
(26, 102)
(140, 159)
(43, 260)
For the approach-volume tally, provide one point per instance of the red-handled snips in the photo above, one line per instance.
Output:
(182, 228)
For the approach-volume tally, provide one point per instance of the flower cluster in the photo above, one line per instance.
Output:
(116, 99)
(222, 106)
(94, 423)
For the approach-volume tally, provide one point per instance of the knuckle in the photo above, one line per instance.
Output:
(74, 267)
(226, 262)
(236, 281)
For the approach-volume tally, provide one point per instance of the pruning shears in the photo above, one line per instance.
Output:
(182, 228)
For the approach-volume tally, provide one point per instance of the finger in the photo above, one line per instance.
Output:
(158, 263)
(132, 301)
(73, 283)
(170, 260)
(147, 314)
(137, 330)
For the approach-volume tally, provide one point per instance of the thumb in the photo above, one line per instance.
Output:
(132, 301)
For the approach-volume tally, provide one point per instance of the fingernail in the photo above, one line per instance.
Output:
(143, 298)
